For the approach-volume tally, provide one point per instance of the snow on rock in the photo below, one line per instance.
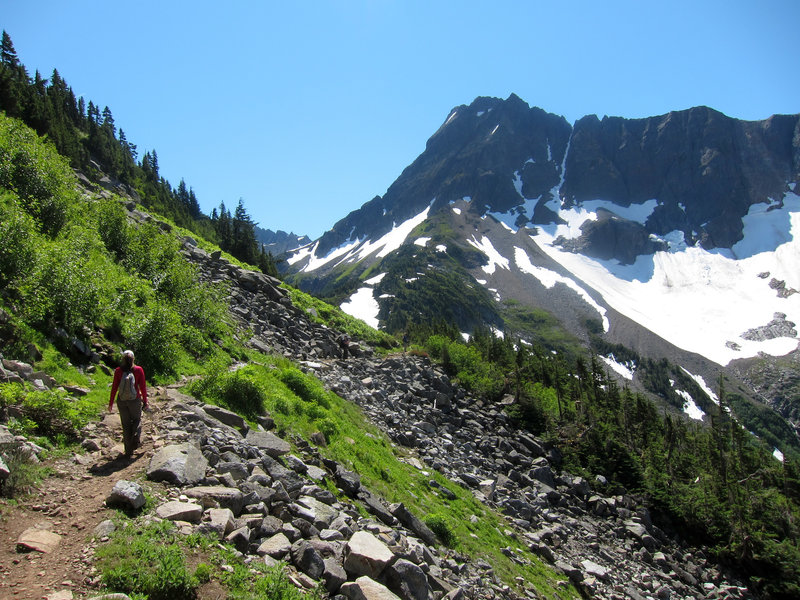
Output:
(549, 278)
(457, 210)
(363, 305)
(778, 454)
(375, 280)
(392, 240)
(620, 369)
(495, 258)
(690, 406)
(703, 386)
(700, 301)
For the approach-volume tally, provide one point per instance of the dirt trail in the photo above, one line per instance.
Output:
(70, 503)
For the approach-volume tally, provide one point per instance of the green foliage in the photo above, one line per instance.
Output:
(24, 473)
(468, 366)
(17, 235)
(52, 414)
(239, 390)
(439, 525)
(37, 174)
(147, 561)
(307, 388)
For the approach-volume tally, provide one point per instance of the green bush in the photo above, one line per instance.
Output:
(441, 527)
(52, 414)
(17, 241)
(40, 177)
(307, 388)
(147, 561)
(24, 476)
(153, 335)
(240, 392)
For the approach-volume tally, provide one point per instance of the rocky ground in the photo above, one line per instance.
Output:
(212, 473)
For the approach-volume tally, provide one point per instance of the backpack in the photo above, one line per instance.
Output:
(127, 386)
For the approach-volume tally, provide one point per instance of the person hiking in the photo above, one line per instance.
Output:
(129, 381)
(344, 344)
(405, 341)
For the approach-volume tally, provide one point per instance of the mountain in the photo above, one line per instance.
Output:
(666, 237)
(279, 241)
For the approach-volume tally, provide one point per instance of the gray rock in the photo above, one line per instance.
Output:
(181, 464)
(213, 495)
(104, 528)
(595, 570)
(180, 511)
(307, 559)
(333, 575)
(408, 580)
(220, 520)
(240, 538)
(270, 443)
(402, 514)
(365, 588)
(126, 494)
(366, 555)
(277, 546)
(227, 417)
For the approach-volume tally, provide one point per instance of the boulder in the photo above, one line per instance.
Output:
(180, 511)
(227, 417)
(408, 580)
(277, 547)
(179, 464)
(307, 559)
(366, 555)
(225, 497)
(365, 588)
(126, 494)
(270, 443)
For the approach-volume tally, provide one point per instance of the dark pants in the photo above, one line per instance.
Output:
(130, 414)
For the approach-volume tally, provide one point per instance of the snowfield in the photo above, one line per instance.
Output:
(701, 301)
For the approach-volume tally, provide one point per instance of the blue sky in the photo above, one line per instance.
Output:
(308, 110)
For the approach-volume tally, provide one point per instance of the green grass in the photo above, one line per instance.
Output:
(300, 405)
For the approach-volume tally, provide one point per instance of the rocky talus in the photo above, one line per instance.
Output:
(215, 474)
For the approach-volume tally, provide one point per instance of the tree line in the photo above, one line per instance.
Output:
(90, 139)
(715, 483)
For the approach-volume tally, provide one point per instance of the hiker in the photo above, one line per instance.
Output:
(132, 397)
(405, 341)
(344, 343)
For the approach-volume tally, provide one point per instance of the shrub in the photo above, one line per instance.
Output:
(147, 561)
(17, 242)
(307, 388)
(440, 526)
(52, 414)
(40, 177)
(24, 473)
(240, 392)
(153, 336)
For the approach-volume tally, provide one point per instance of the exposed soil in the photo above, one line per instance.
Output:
(70, 503)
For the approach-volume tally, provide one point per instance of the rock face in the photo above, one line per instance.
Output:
(704, 169)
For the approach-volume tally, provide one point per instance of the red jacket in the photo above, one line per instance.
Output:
(141, 387)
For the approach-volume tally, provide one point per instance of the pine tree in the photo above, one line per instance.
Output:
(8, 55)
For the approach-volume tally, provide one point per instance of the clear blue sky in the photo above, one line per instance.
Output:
(308, 110)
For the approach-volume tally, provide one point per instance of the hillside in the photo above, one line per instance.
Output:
(486, 470)
(672, 237)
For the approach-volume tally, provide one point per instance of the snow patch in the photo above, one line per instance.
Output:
(363, 305)
(423, 241)
(375, 280)
(690, 406)
(391, 241)
(778, 454)
(457, 210)
(441, 248)
(703, 386)
(549, 278)
(495, 258)
(700, 301)
(619, 368)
